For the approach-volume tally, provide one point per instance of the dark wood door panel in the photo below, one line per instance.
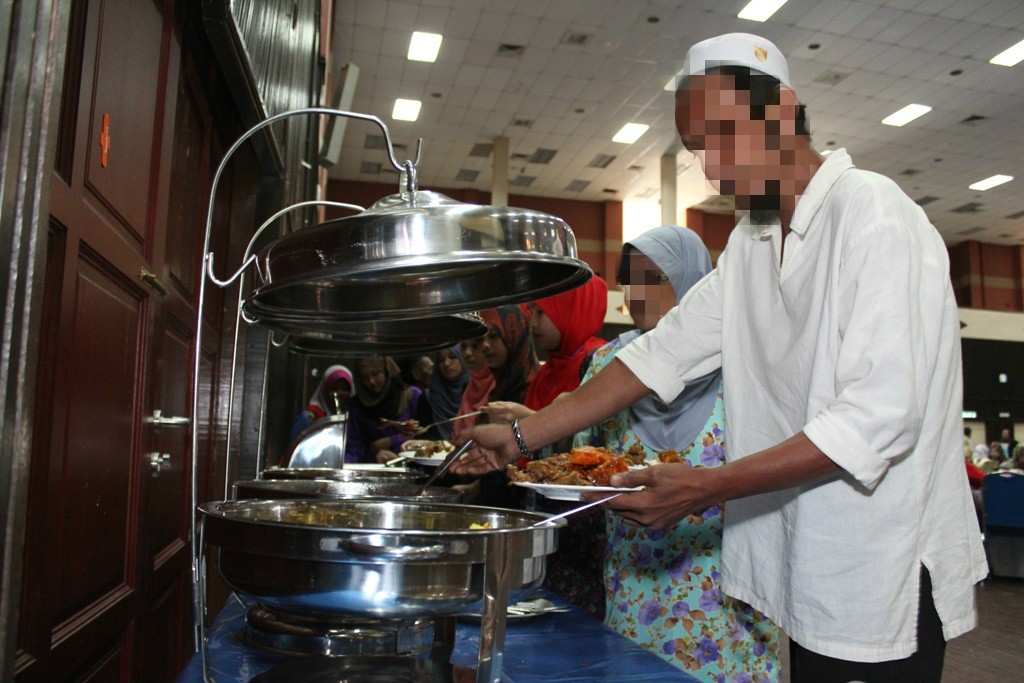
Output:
(95, 541)
(164, 635)
(122, 110)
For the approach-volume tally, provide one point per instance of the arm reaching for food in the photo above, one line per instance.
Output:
(609, 392)
(674, 491)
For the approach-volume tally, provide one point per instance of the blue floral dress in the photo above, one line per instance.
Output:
(662, 587)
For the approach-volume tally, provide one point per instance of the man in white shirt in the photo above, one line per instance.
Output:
(849, 519)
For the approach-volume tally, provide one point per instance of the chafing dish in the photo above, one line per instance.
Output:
(393, 476)
(325, 488)
(387, 559)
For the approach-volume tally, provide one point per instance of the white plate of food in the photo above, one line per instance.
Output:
(568, 492)
(427, 453)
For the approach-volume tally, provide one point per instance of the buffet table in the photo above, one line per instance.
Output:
(551, 648)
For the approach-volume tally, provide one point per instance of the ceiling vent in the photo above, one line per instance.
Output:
(609, 190)
(375, 142)
(973, 120)
(830, 77)
(467, 175)
(971, 231)
(521, 123)
(601, 161)
(522, 180)
(574, 38)
(510, 50)
(369, 167)
(577, 185)
(969, 207)
(519, 156)
(543, 156)
(1015, 216)
(481, 149)
(910, 171)
(635, 168)
(926, 200)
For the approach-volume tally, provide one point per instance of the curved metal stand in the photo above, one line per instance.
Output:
(408, 168)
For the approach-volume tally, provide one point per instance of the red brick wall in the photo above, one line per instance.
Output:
(987, 276)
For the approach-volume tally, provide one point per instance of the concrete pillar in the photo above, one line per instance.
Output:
(668, 189)
(499, 172)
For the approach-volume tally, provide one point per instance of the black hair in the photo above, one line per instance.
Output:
(763, 89)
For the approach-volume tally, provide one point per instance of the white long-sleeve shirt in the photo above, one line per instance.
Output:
(854, 341)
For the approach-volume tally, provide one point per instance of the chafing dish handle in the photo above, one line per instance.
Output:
(363, 546)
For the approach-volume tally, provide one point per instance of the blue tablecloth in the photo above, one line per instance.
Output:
(565, 647)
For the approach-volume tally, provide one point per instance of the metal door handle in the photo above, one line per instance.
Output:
(158, 420)
(159, 461)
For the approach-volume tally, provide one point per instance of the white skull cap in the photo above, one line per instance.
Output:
(736, 49)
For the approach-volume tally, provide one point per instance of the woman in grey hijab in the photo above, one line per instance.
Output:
(661, 587)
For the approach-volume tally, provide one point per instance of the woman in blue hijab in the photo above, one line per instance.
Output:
(661, 587)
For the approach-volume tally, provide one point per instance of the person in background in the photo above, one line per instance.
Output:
(508, 350)
(844, 466)
(478, 389)
(565, 328)
(656, 583)
(996, 453)
(417, 371)
(968, 444)
(447, 385)
(1008, 443)
(381, 395)
(331, 397)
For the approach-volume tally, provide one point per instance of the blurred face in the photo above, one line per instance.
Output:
(494, 349)
(472, 354)
(1006, 435)
(423, 370)
(649, 294)
(743, 157)
(449, 365)
(372, 374)
(545, 335)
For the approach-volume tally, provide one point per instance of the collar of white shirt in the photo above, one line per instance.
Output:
(835, 164)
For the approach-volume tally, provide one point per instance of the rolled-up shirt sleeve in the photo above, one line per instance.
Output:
(888, 307)
(685, 345)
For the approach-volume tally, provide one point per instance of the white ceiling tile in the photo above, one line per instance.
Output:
(926, 36)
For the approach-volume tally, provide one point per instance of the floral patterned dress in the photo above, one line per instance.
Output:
(662, 587)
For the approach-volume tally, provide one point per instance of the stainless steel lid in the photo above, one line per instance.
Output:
(396, 337)
(413, 254)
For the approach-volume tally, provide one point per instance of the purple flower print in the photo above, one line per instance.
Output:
(712, 455)
(616, 582)
(659, 553)
(680, 565)
(710, 600)
(680, 610)
(717, 431)
(623, 607)
(669, 647)
(720, 678)
(707, 651)
(743, 677)
(715, 575)
(758, 648)
(712, 511)
(649, 611)
(643, 558)
(656, 535)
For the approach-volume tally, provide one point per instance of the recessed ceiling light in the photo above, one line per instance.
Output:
(406, 110)
(760, 10)
(1010, 56)
(989, 183)
(424, 46)
(906, 115)
(630, 133)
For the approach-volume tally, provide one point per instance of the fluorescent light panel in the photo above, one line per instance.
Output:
(989, 183)
(1010, 56)
(760, 10)
(406, 110)
(424, 46)
(630, 133)
(906, 115)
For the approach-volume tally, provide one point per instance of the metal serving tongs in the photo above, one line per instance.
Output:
(579, 508)
(401, 426)
(443, 467)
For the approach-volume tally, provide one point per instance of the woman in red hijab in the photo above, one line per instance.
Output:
(564, 326)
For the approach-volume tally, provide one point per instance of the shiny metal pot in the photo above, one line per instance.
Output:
(387, 559)
(392, 475)
(283, 489)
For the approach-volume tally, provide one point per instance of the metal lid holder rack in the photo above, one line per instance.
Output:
(482, 255)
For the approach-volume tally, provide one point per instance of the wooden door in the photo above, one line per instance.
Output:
(106, 593)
